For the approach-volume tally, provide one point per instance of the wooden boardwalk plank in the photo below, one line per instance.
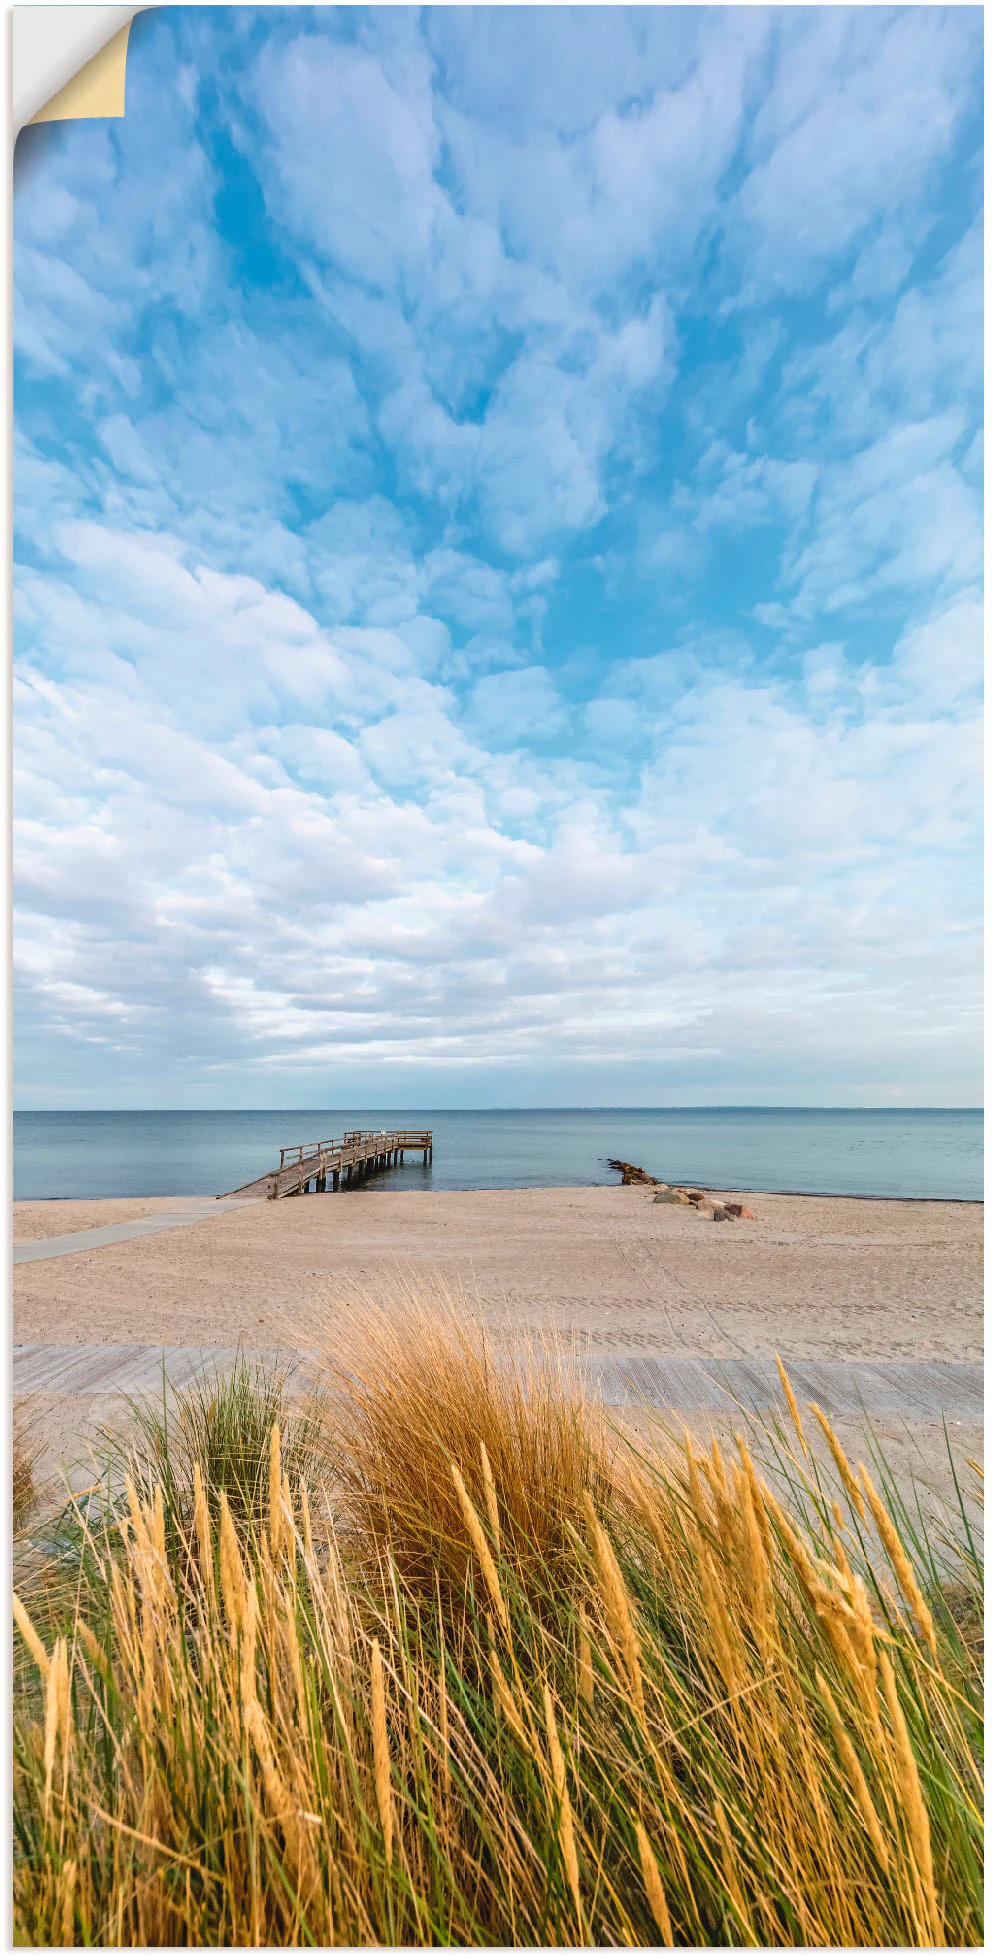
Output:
(914, 1390)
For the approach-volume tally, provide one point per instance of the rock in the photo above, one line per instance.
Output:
(721, 1214)
(703, 1211)
(746, 1212)
(630, 1173)
(667, 1197)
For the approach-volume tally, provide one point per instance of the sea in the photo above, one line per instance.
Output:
(883, 1153)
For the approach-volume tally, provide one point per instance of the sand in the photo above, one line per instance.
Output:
(819, 1278)
(825, 1278)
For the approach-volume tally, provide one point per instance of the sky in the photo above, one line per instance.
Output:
(498, 555)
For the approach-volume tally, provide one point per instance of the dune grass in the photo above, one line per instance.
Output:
(222, 1423)
(25, 1455)
(496, 1683)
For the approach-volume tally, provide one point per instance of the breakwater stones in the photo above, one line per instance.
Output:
(633, 1173)
(719, 1209)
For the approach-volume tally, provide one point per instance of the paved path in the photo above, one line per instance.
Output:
(132, 1228)
(916, 1390)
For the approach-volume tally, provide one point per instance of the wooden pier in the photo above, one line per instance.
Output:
(337, 1162)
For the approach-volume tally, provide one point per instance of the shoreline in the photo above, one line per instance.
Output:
(374, 1185)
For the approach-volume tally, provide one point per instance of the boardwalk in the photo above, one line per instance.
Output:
(346, 1160)
(27, 1250)
(912, 1390)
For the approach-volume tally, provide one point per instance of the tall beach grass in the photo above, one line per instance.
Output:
(475, 1673)
(24, 1456)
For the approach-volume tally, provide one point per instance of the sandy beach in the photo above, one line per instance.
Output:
(827, 1278)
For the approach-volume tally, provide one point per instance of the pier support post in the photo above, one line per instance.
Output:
(335, 1180)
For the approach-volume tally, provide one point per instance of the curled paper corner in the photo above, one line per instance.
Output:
(69, 62)
(97, 90)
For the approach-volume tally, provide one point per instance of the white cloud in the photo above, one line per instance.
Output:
(522, 705)
(864, 102)
(897, 516)
(274, 893)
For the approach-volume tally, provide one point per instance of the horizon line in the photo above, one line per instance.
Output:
(523, 1109)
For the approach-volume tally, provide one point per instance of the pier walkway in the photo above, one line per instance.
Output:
(336, 1162)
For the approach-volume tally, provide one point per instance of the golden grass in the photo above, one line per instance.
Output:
(421, 1397)
(24, 1468)
(527, 1694)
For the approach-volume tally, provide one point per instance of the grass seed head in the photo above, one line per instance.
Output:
(653, 1886)
(901, 1566)
(792, 1403)
(481, 1549)
(845, 1472)
(616, 1603)
(380, 1752)
(566, 1828)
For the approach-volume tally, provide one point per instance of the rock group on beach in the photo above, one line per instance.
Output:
(720, 1209)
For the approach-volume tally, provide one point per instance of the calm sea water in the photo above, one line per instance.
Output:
(921, 1153)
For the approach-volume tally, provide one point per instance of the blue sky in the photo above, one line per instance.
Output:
(498, 515)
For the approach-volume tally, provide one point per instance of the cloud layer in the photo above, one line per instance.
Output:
(498, 562)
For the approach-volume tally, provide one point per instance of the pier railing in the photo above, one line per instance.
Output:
(298, 1153)
(334, 1161)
